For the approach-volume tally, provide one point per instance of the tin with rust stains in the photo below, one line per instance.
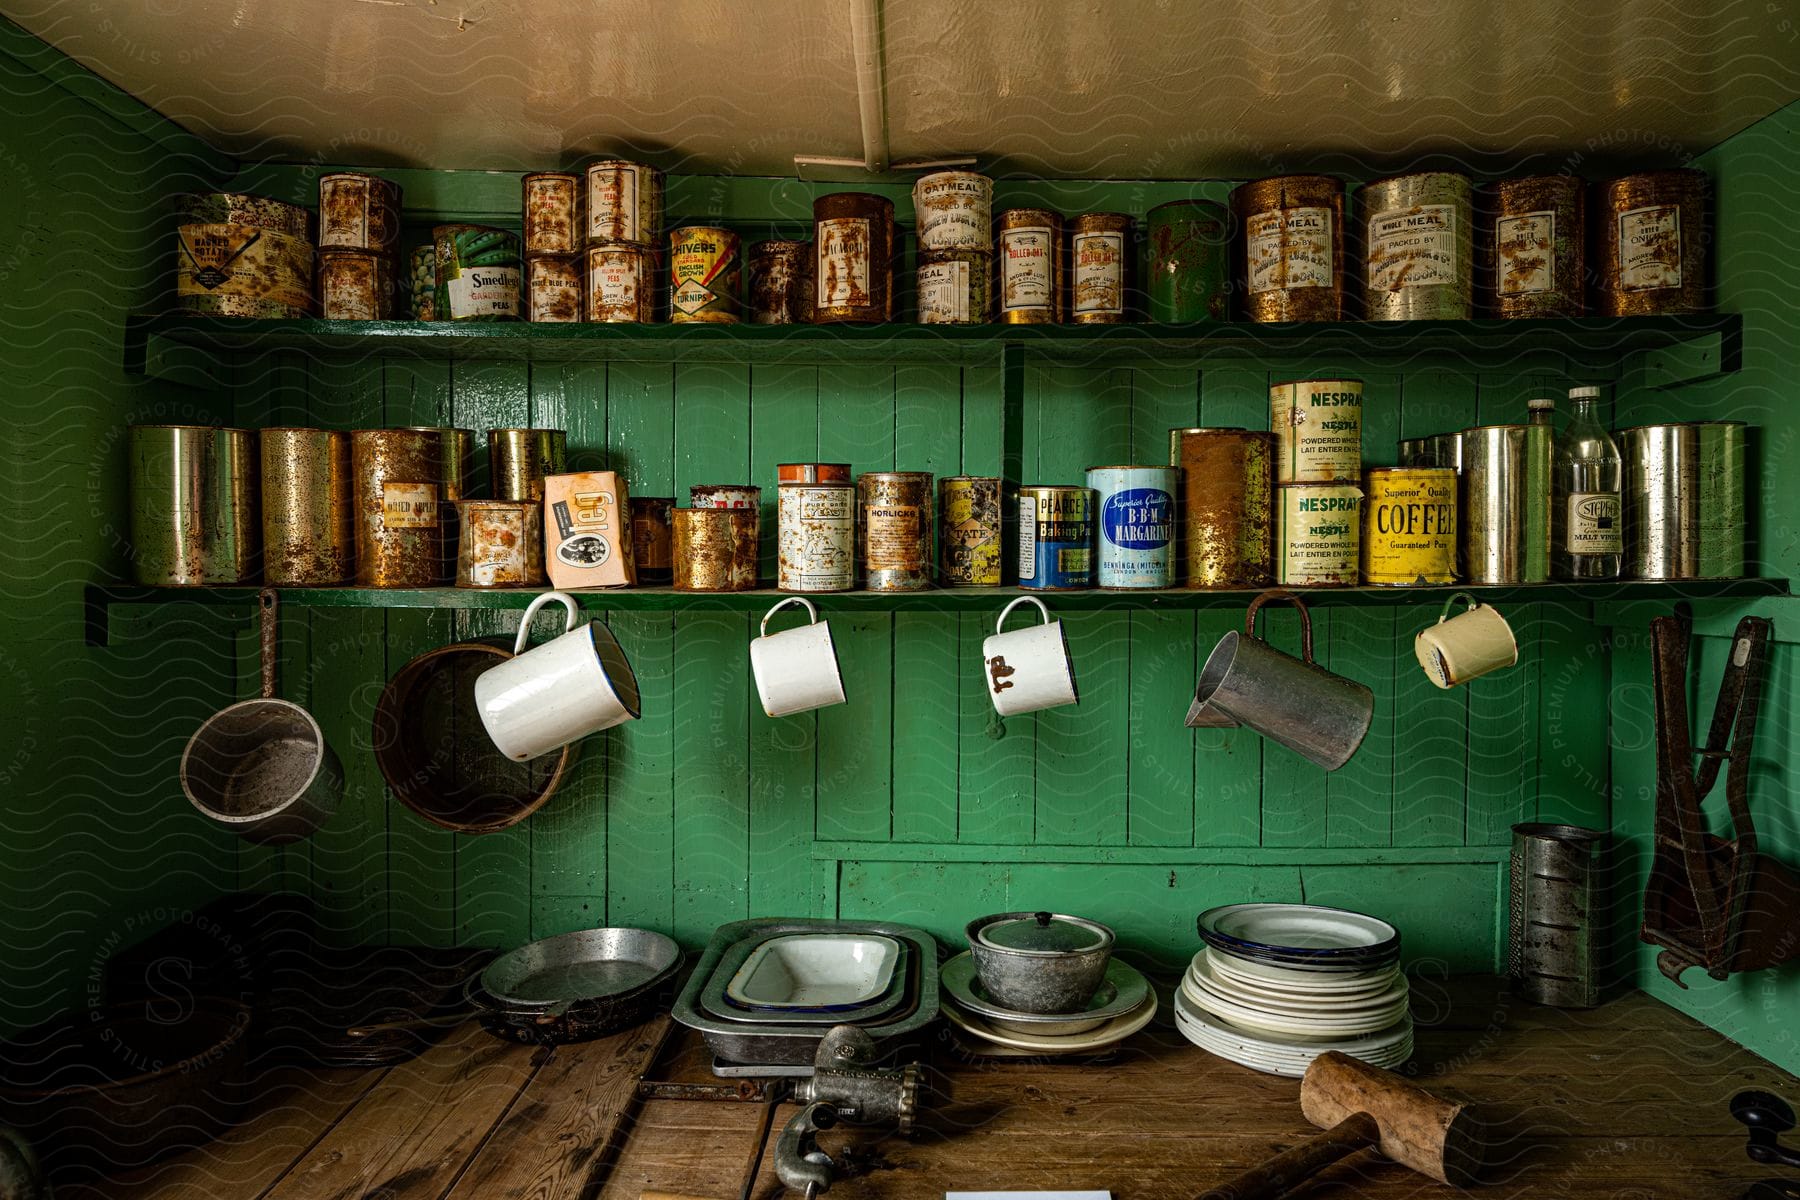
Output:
(518, 460)
(478, 277)
(725, 495)
(309, 538)
(1318, 430)
(553, 288)
(1318, 534)
(1031, 271)
(855, 243)
(457, 466)
(355, 285)
(623, 201)
(359, 212)
(969, 531)
(1134, 526)
(893, 530)
(1531, 252)
(239, 255)
(1289, 262)
(812, 472)
(1651, 239)
(1226, 508)
(705, 276)
(1190, 262)
(1100, 261)
(550, 202)
(621, 283)
(781, 283)
(1056, 538)
(422, 282)
(193, 505)
(816, 537)
(1409, 526)
(653, 538)
(715, 549)
(499, 543)
(398, 477)
(953, 210)
(955, 287)
(1417, 243)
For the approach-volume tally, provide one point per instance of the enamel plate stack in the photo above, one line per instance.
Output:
(1277, 985)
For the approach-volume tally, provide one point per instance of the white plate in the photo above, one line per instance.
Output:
(1114, 1030)
(815, 970)
(1299, 976)
(1307, 983)
(1271, 1058)
(1385, 1013)
(1187, 1010)
(1211, 1039)
(1330, 1004)
(1282, 927)
(1311, 1028)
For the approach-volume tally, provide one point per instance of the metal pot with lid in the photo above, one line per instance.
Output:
(1040, 962)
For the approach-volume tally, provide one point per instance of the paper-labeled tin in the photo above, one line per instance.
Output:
(1409, 526)
(953, 211)
(553, 288)
(812, 472)
(715, 550)
(1056, 537)
(854, 247)
(1318, 430)
(422, 281)
(478, 274)
(359, 212)
(239, 255)
(309, 539)
(1417, 247)
(1099, 249)
(969, 531)
(1134, 526)
(725, 495)
(623, 202)
(1226, 506)
(893, 530)
(1290, 258)
(1650, 234)
(1531, 247)
(588, 539)
(1318, 534)
(1190, 262)
(653, 538)
(1683, 494)
(815, 530)
(520, 459)
(193, 505)
(705, 276)
(781, 283)
(551, 204)
(954, 287)
(356, 285)
(621, 282)
(398, 476)
(500, 543)
(1030, 271)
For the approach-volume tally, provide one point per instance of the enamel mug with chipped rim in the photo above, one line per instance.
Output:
(796, 669)
(1466, 646)
(542, 699)
(1028, 670)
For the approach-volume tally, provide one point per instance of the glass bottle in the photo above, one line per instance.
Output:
(1586, 540)
(1540, 453)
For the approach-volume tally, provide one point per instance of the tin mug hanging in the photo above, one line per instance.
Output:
(796, 669)
(1293, 701)
(542, 699)
(1466, 646)
(1028, 670)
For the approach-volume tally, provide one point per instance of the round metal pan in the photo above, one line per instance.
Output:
(588, 964)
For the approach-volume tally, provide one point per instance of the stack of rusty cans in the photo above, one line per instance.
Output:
(550, 205)
(622, 216)
(1318, 475)
(956, 247)
(359, 247)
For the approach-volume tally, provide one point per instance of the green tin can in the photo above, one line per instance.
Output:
(1190, 262)
(477, 273)
(193, 505)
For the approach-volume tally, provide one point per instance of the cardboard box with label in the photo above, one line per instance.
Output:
(587, 531)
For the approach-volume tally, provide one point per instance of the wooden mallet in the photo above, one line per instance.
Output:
(1361, 1107)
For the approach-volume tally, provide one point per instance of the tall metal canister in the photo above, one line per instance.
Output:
(518, 460)
(1190, 262)
(1417, 242)
(1558, 909)
(1684, 500)
(193, 505)
(1502, 520)
(309, 538)
(400, 503)
(1226, 507)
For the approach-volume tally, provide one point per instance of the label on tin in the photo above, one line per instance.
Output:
(1526, 249)
(944, 293)
(725, 497)
(555, 293)
(953, 211)
(484, 292)
(1318, 430)
(892, 537)
(1027, 537)
(843, 249)
(409, 505)
(1409, 530)
(699, 271)
(1593, 526)
(1025, 267)
(613, 282)
(1138, 519)
(1412, 247)
(550, 215)
(816, 538)
(1099, 272)
(1649, 250)
(613, 205)
(1289, 248)
(1319, 534)
(344, 213)
(227, 259)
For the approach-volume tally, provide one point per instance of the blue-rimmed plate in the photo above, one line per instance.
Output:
(1299, 933)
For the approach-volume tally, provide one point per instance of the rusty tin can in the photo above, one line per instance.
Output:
(621, 283)
(624, 202)
(355, 285)
(855, 243)
(359, 212)
(812, 472)
(422, 282)
(1226, 507)
(1289, 265)
(705, 276)
(1031, 269)
(1100, 259)
(1652, 244)
(309, 538)
(953, 210)
(477, 273)
(1532, 247)
(816, 537)
(1056, 538)
(193, 505)
(715, 549)
(551, 204)
(1417, 247)
(1134, 526)
(1318, 430)
(781, 283)
(653, 538)
(955, 287)
(1190, 262)
(398, 476)
(499, 544)
(969, 531)
(1409, 526)
(518, 460)
(553, 288)
(1318, 534)
(893, 530)
(239, 255)
(457, 467)
(725, 495)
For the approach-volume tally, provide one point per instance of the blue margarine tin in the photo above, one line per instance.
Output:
(1134, 525)
(1056, 538)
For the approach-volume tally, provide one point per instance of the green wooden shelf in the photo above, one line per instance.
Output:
(100, 598)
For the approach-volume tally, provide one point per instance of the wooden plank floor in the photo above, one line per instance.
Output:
(1624, 1102)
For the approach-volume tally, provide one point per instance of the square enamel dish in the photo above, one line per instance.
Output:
(815, 970)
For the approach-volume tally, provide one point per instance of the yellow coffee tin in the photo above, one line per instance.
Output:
(1409, 526)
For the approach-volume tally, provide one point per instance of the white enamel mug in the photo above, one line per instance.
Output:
(796, 669)
(1028, 669)
(1466, 646)
(542, 699)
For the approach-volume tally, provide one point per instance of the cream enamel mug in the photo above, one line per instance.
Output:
(542, 699)
(1028, 670)
(796, 669)
(1466, 646)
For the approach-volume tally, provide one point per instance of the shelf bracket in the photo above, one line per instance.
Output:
(1700, 357)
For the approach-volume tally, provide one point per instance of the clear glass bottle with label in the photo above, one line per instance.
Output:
(1586, 538)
